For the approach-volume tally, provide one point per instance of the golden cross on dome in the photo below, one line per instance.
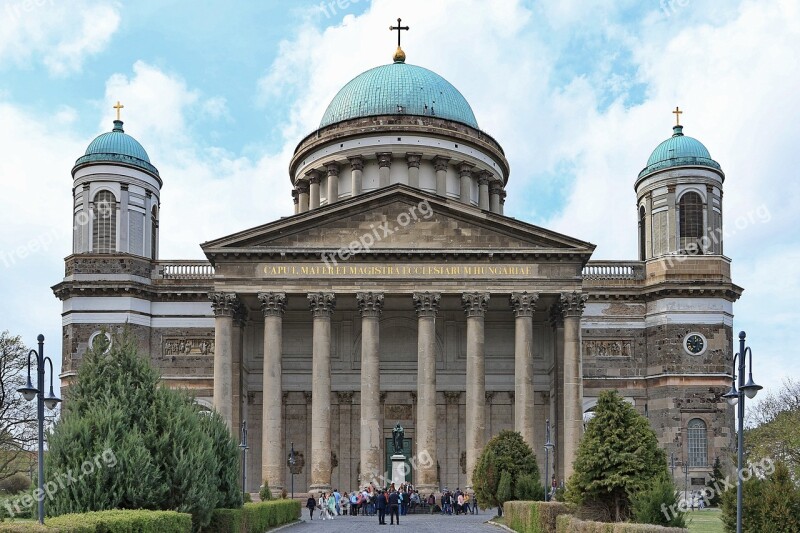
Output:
(677, 114)
(118, 107)
(399, 28)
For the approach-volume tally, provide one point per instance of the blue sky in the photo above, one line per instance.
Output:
(578, 93)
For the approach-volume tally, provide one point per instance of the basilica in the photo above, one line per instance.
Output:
(400, 292)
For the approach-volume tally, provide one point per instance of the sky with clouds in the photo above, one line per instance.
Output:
(578, 93)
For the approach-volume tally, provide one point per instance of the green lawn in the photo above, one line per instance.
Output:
(707, 521)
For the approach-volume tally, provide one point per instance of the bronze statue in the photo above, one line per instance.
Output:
(397, 439)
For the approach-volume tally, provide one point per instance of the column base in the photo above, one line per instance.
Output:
(427, 489)
(319, 489)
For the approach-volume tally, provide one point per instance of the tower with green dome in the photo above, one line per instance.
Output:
(117, 194)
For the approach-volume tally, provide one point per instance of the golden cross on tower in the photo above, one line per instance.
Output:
(677, 114)
(118, 107)
(398, 28)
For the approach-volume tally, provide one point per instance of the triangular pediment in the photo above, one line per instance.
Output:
(398, 219)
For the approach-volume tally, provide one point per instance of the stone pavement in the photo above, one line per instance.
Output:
(424, 523)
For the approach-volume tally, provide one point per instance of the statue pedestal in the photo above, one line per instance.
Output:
(398, 470)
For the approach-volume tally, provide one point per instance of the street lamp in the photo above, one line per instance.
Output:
(734, 397)
(292, 462)
(672, 464)
(686, 482)
(244, 448)
(548, 447)
(51, 401)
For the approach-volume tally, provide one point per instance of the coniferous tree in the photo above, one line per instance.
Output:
(506, 453)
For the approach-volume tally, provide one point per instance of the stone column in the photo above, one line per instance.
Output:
(427, 306)
(333, 182)
(502, 201)
(356, 171)
(413, 159)
(440, 164)
(295, 200)
(313, 181)
(239, 389)
(273, 305)
(557, 321)
(483, 182)
(465, 171)
(672, 221)
(302, 195)
(524, 304)
(572, 305)
(495, 187)
(475, 305)
(224, 305)
(384, 164)
(86, 229)
(371, 305)
(124, 223)
(322, 305)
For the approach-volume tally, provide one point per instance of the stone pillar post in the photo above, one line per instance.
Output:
(224, 305)
(572, 305)
(384, 164)
(427, 306)
(302, 195)
(557, 321)
(356, 171)
(322, 305)
(413, 159)
(524, 304)
(495, 186)
(86, 228)
(475, 305)
(465, 171)
(672, 221)
(313, 181)
(370, 304)
(124, 223)
(295, 200)
(440, 164)
(273, 305)
(502, 201)
(483, 183)
(333, 182)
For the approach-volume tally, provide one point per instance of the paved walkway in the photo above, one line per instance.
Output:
(420, 522)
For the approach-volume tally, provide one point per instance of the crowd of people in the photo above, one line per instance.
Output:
(392, 501)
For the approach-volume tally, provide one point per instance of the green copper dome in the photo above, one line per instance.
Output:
(399, 89)
(117, 146)
(678, 151)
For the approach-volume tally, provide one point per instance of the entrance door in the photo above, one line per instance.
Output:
(389, 447)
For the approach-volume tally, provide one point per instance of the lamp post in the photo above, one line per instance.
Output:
(734, 397)
(244, 448)
(672, 464)
(51, 401)
(686, 482)
(292, 462)
(548, 446)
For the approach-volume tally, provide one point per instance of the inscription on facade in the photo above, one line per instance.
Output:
(608, 347)
(184, 346)
(394, 270)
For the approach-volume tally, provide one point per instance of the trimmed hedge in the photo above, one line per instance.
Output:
(116, 521)
(532, 516)
(570, 524)
(254, 517)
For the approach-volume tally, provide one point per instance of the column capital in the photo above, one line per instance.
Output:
(295, 196)
(484, 177)
(356, 162)
(382, 396)
(452, 397)
(475, 303)
(465, 169)
(572, 303)
(496, 186)
(413, 159)
(313, 176)
(224, 303)
(272, 303)
(370, 303)
(344, 397)
(440, 162)
(489, 396)
(427, 303)
(322, 304)
(308, 396)
(332, 168)
(384, 159)
(302, 186)
(503, 195)
(523, 303)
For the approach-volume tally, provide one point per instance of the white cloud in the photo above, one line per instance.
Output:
(59, 34)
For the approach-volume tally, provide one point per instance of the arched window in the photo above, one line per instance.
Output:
(690, 211)
(154, 233)
(642, 234)
(104, 225)
(697, 436)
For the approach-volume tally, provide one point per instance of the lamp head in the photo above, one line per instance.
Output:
(51, 400)
(28, 392)
(750, 388)
(732, 396)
